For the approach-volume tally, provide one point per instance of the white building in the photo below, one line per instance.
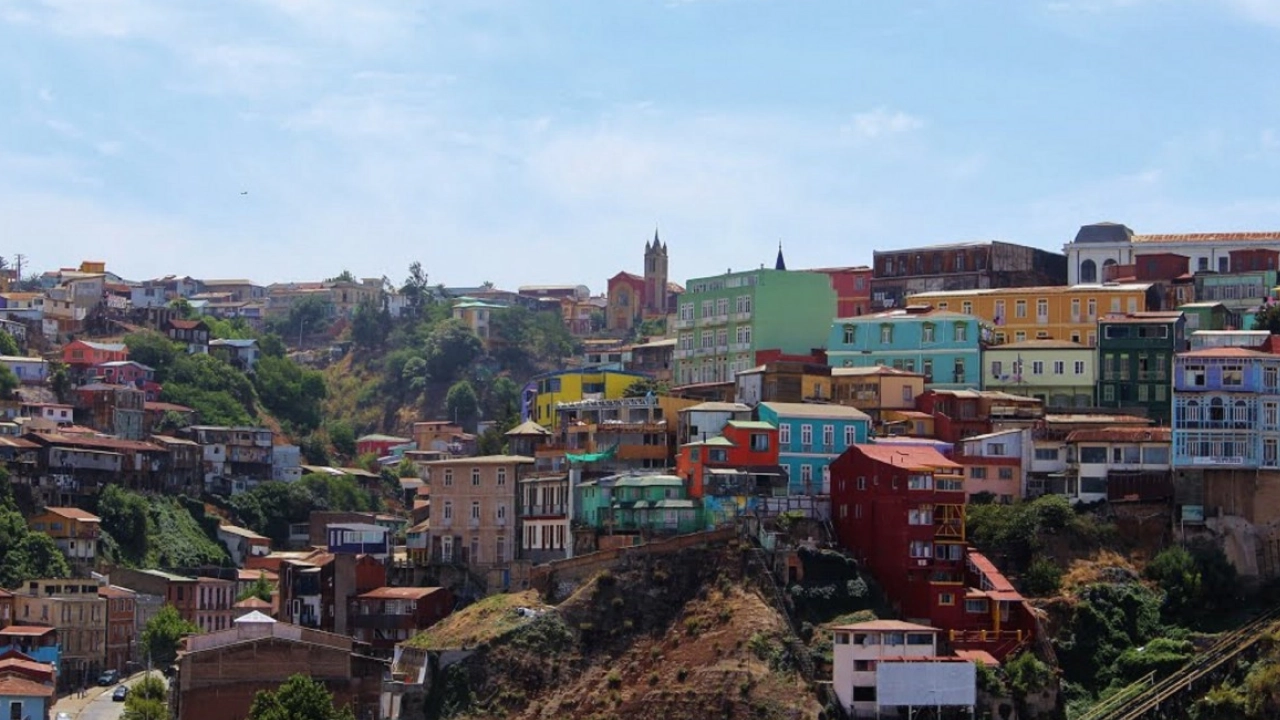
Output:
(1101, 245)
(883, 665)
(1135, 460)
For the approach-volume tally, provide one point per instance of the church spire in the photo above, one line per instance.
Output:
(780, 264)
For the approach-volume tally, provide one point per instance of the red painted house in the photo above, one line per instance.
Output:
(747, 445)
(900, 510)
(959, 414)
(853, 289)
(389, 615)
(82, 354)
(379, 445)
(1254, 259)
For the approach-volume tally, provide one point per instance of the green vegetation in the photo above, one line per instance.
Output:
(147, 700)
(260, 589)
(157, 531)
(462, 406)
(270, 507)
(1015, 534)
(299, 698)
(644, 386)
(162, 634)
(1198, 581)
(24, 555)
(8, 346)
(8, 382)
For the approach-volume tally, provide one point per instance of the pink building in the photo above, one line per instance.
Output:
(82, 354)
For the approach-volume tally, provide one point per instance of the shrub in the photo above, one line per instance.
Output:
(613, 680)
(1027, 675)
(1043, 578)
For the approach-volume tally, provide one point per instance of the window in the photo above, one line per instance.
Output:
(1046, 453)
(886, 334)
(1093, 454)
(1037, 367)
(864, 665)
(475, 509)
(850, 435)
(784, 434)
(1093, 308)
(1019, 336)
(1075, 309)
(806, 473)
(448, 510)
(922, 515)
(828, 436)
(718, 455)
(921, 549)
(1079, 367)
(862, 483)
(1270, 414)
(977, 606)
(1020, 308)
(926, 332)
(722, 306)
(842, 638)
(1155, 455)
(864, 693)
(961, 332)
(966, 307)
(995, 449)
(997, 368)
(806, 435)
(759, 442)
(502, 511)
(850, 334)
(502, 476)
(908, 394)
(475, 477)
(448, 477)
(1006, 473)
(1232, 375)
(978, 473)
(919, 638)
(1194, 375)
(1108, 393)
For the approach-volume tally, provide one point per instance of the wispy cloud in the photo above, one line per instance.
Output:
(880, 122)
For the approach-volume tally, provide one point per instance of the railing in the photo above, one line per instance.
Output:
(742, 316)
(539, 510)
(684, 324)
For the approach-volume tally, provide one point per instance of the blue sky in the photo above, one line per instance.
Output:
(528, 142)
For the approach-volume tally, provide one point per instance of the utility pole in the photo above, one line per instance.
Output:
(17, 262)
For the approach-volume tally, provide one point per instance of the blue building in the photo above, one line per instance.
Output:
(359, 539)
(1226, 409)
(810, 436)
(944, 346)
(38, 642)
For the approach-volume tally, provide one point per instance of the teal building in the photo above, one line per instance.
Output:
(657, 504)
(944, 346)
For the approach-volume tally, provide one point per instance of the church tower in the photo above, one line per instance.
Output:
(655, 277)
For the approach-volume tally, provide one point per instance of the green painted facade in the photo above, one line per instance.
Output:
(1135, 362)
(638, 503)
(722, 321)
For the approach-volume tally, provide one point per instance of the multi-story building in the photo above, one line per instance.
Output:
(996, 464)
(544, 516)
(180, 591)
(243, 543)
(1101, 245)
(853, 289)
(477, 315)
(876, 389)
(122, 628)
(1242, 292)
(958, 414)
(1117, 462)
(722, 321)
(637, 506)
(745, 447)
(473, 511)
(233, 453)
(389, 615)
(1210, 316)
(358, 539)
(944, 346)
(882, 666)
(112, 409)
(898, 274)
(810, 436)
(316, 588)
(1046, 313)
(1135, 359)
(80, 616)
(900, 509)
(655, 358)
(637, 433)
(705, 420)
(544, 393)
(1060, 373)
(76, 532)
(784, 381)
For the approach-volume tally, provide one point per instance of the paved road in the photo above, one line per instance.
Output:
(101, 707)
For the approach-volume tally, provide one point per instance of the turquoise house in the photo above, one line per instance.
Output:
(657, 504)
(944, 346)
(24, 699)
(810, 436)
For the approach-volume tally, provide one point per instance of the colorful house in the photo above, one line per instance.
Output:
(544, 392)
(900, 510)
(126, 372)
(25, 699)
(379, 445)
(810, 436)
(75, 532)
(1135, 355)
(82, 354)
(639, 505)
(876, 390)
(944, 346)
(1059, 373)
(1046, 313)
(28, 370)
(750, 446)
(996, 464)
(853, 289)
(724, 319)
(476, 314)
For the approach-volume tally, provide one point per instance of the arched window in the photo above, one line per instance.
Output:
(1106, 265)
(1217, 410)
(1088, 272)
(1192, 418)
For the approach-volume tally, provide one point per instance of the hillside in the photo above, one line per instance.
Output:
(670, 637)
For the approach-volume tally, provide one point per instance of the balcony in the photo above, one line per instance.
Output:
(722, 349)
(743, 316)
(684, 323)
(740, 347)
(543, 510)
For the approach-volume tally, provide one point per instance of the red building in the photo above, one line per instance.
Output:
(388, 615)
(82, 354)
(853, 289)
(121, 625)
(379, 445)
(745, 445)
(958, 414)
(900, 510)
(1254, 259)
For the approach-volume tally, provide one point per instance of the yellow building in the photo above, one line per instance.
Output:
(1045, 313)
(876, 390)
(564, 386)
(476, 314)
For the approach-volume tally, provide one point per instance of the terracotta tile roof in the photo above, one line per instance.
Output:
(910, 456)
(19, 687)
(399, 593)
(30, 630)
(1122, 434)
(245, 575)
(253, 603)
(1208, 237)
(74, 514)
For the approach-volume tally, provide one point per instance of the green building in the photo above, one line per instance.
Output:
(723, 321)
(657, 504)
(1210, 315)
(1135, 362)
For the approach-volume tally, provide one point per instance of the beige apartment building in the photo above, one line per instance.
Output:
(473, 513)
(80, 615)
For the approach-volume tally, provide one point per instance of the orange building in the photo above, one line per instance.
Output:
(742, 445)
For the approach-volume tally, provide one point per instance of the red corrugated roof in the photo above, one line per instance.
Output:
(21, 687)
(999, 583)
(72, 513)
(399, 593)
(1208, 237)
(910, 456)
(32, 630)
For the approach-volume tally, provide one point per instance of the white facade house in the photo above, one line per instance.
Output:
(707, 420)
(1101, 245)
(882, 665)
(1096, 459)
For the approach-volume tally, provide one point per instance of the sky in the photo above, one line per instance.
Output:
(543, 141)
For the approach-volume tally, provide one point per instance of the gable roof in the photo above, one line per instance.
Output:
(12, 686)
(72, 513)
(816, 410)
(528, 427)
(909, 456)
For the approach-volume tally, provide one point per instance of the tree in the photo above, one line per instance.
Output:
(8, 382)
(291, 392)
(502, 400)
(124, 518)
(154, 350)
(299, 698)
(24, 555)
(344, 276)
(307, 316)
(1268, 318)
(60, 380)
(183, 308)
(343, 438)
(644, 386)
(163, 633)
(416, 288)
(450, 347)
(259, 588)
(271, 345)
(461, 405)
(370, 325)
(148, 700)
(8, 346)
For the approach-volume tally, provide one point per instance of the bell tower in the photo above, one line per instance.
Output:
(655, 276)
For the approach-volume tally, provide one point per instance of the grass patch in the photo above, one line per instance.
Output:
(479, 623)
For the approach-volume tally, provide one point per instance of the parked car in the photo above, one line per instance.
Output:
(120, 694)
(110, 677)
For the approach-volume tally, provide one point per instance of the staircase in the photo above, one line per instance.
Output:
(767, 585)
(1167, 698)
